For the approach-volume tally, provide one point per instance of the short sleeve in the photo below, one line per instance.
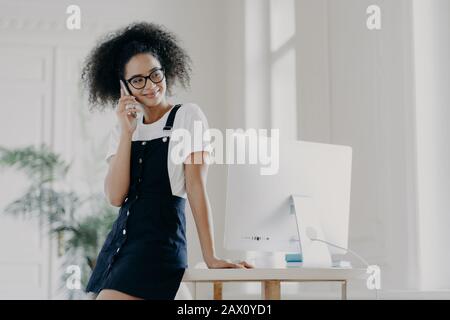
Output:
(113, 143)
(197, 126)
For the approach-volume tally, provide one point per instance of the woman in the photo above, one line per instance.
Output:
(144, 255)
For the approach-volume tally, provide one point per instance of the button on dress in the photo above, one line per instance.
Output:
(145, 253)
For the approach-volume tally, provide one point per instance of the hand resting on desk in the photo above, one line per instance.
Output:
(222, 264)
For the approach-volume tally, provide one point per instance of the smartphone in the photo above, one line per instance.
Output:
(128, 93)
(124, 87)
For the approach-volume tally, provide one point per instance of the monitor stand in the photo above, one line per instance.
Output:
(315, 254)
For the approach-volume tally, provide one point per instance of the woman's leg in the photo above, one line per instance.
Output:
(109, 294)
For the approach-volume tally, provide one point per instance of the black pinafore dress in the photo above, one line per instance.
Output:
(145, 253)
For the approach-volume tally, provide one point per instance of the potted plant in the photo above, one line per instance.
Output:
(79, 224)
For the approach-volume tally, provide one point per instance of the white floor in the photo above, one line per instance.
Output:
(290, 291)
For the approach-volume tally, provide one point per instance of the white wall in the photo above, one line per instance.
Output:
(432, 83)
(371, 110)
(355, 87)
(385, 93)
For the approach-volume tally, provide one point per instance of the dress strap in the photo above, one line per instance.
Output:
(171, 118)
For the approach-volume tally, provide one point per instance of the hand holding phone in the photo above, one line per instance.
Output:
(127, 93)
(128, 109)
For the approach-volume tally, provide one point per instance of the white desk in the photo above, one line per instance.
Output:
(271, 278)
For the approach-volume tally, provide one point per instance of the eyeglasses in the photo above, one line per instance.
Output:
(139, 82)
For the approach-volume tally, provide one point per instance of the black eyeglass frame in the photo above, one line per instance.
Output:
(147, 78)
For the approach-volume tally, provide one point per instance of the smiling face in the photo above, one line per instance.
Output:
(143, 65)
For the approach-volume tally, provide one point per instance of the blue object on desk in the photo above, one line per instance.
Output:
(293, 257)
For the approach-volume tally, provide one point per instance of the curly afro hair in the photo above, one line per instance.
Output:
(105, 64)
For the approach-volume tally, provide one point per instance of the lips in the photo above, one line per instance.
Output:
(152, 94)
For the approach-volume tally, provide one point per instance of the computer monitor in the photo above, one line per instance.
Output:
(259, 207)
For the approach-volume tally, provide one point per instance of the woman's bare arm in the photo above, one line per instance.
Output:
(117, 180)
(195, 175)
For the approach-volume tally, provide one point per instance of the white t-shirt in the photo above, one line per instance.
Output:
(185, 118)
